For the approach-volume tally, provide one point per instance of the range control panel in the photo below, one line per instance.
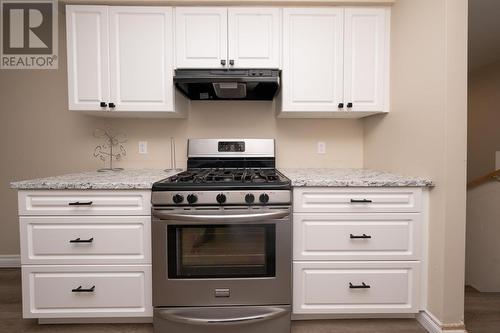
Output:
(192, 198)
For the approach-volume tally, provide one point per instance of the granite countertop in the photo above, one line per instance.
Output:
(352, 177)
(140, 179)
(144, 179)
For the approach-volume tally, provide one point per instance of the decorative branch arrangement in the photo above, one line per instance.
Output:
(111, 149)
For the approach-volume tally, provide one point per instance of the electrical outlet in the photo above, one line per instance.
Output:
(321, 149)
(143, 147)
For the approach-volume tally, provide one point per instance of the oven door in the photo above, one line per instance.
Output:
(221, 256)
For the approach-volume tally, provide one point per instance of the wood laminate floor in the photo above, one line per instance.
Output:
(482, 315)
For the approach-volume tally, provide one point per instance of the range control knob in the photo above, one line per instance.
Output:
(178, 198)
(264, 198)
(249, 198)
(221, 198)
(192, 198)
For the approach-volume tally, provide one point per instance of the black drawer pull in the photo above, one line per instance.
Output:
(78, 240)
(78, 203)
(361, 201)
(364, 236)
(81, 290)
(361, 286)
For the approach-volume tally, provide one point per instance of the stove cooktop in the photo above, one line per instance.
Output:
(224, 178)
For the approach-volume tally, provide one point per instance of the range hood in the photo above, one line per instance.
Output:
(228, 84)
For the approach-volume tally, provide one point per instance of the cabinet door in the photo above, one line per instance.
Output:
(88, 66)
(312, 59)
(366, 72)
(254, 37)
(141, 58)
(201, 37)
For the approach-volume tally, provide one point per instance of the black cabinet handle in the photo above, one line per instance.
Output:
(78, 203)
(361, 201)
(231, 62)
(112, 105)
(364, 236)
(349, 105)
(78, 240)
(103, 104)
(223, 62)
(341, 105)
(81, 290)
(359, 286)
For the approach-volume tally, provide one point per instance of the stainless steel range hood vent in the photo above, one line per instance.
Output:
(228, 84)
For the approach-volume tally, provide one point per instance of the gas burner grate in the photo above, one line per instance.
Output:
(207, 176)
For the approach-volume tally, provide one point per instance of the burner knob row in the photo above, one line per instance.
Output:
(221, 198)
(264, 198)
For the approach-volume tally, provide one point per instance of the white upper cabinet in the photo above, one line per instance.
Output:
(312, 59)
(88, 66)
(366, 72)
(201, 37)
(335, 62)
(121, 59)
(218, 37)
(141, 49)
(254, 37)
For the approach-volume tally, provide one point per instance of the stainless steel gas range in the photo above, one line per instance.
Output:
(221, 235)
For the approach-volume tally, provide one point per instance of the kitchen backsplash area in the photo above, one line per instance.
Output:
(296, 139)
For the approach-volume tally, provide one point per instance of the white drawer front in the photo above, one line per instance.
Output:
(118, 291)
(327, 287)
(85, 240)
(376, 236)
(359, 200)
(85, 202)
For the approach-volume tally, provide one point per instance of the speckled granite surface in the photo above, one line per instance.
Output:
(121, 180)
(351, 177)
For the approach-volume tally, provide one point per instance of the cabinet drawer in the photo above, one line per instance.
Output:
(86, 291)
(359, 200)
(376, 236)
(85, 202)
(85, 240)
(355, 287)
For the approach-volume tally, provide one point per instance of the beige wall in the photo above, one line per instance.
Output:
(425, 133)
(484, 120)
(40, 137)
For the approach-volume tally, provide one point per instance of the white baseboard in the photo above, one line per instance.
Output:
(10, 260)
(434, 325)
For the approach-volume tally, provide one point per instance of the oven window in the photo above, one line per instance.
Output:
(227, 251)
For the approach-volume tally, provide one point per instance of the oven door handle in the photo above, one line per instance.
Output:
(177, 315)
(223, 218)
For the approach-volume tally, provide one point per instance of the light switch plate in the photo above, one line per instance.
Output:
(143, 147)
(321, 147)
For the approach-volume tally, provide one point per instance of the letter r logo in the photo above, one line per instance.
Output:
(27, 27)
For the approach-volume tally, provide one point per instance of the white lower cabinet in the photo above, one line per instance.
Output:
(358, 251)
(86, 291)
(355, 287)
(86, 254)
